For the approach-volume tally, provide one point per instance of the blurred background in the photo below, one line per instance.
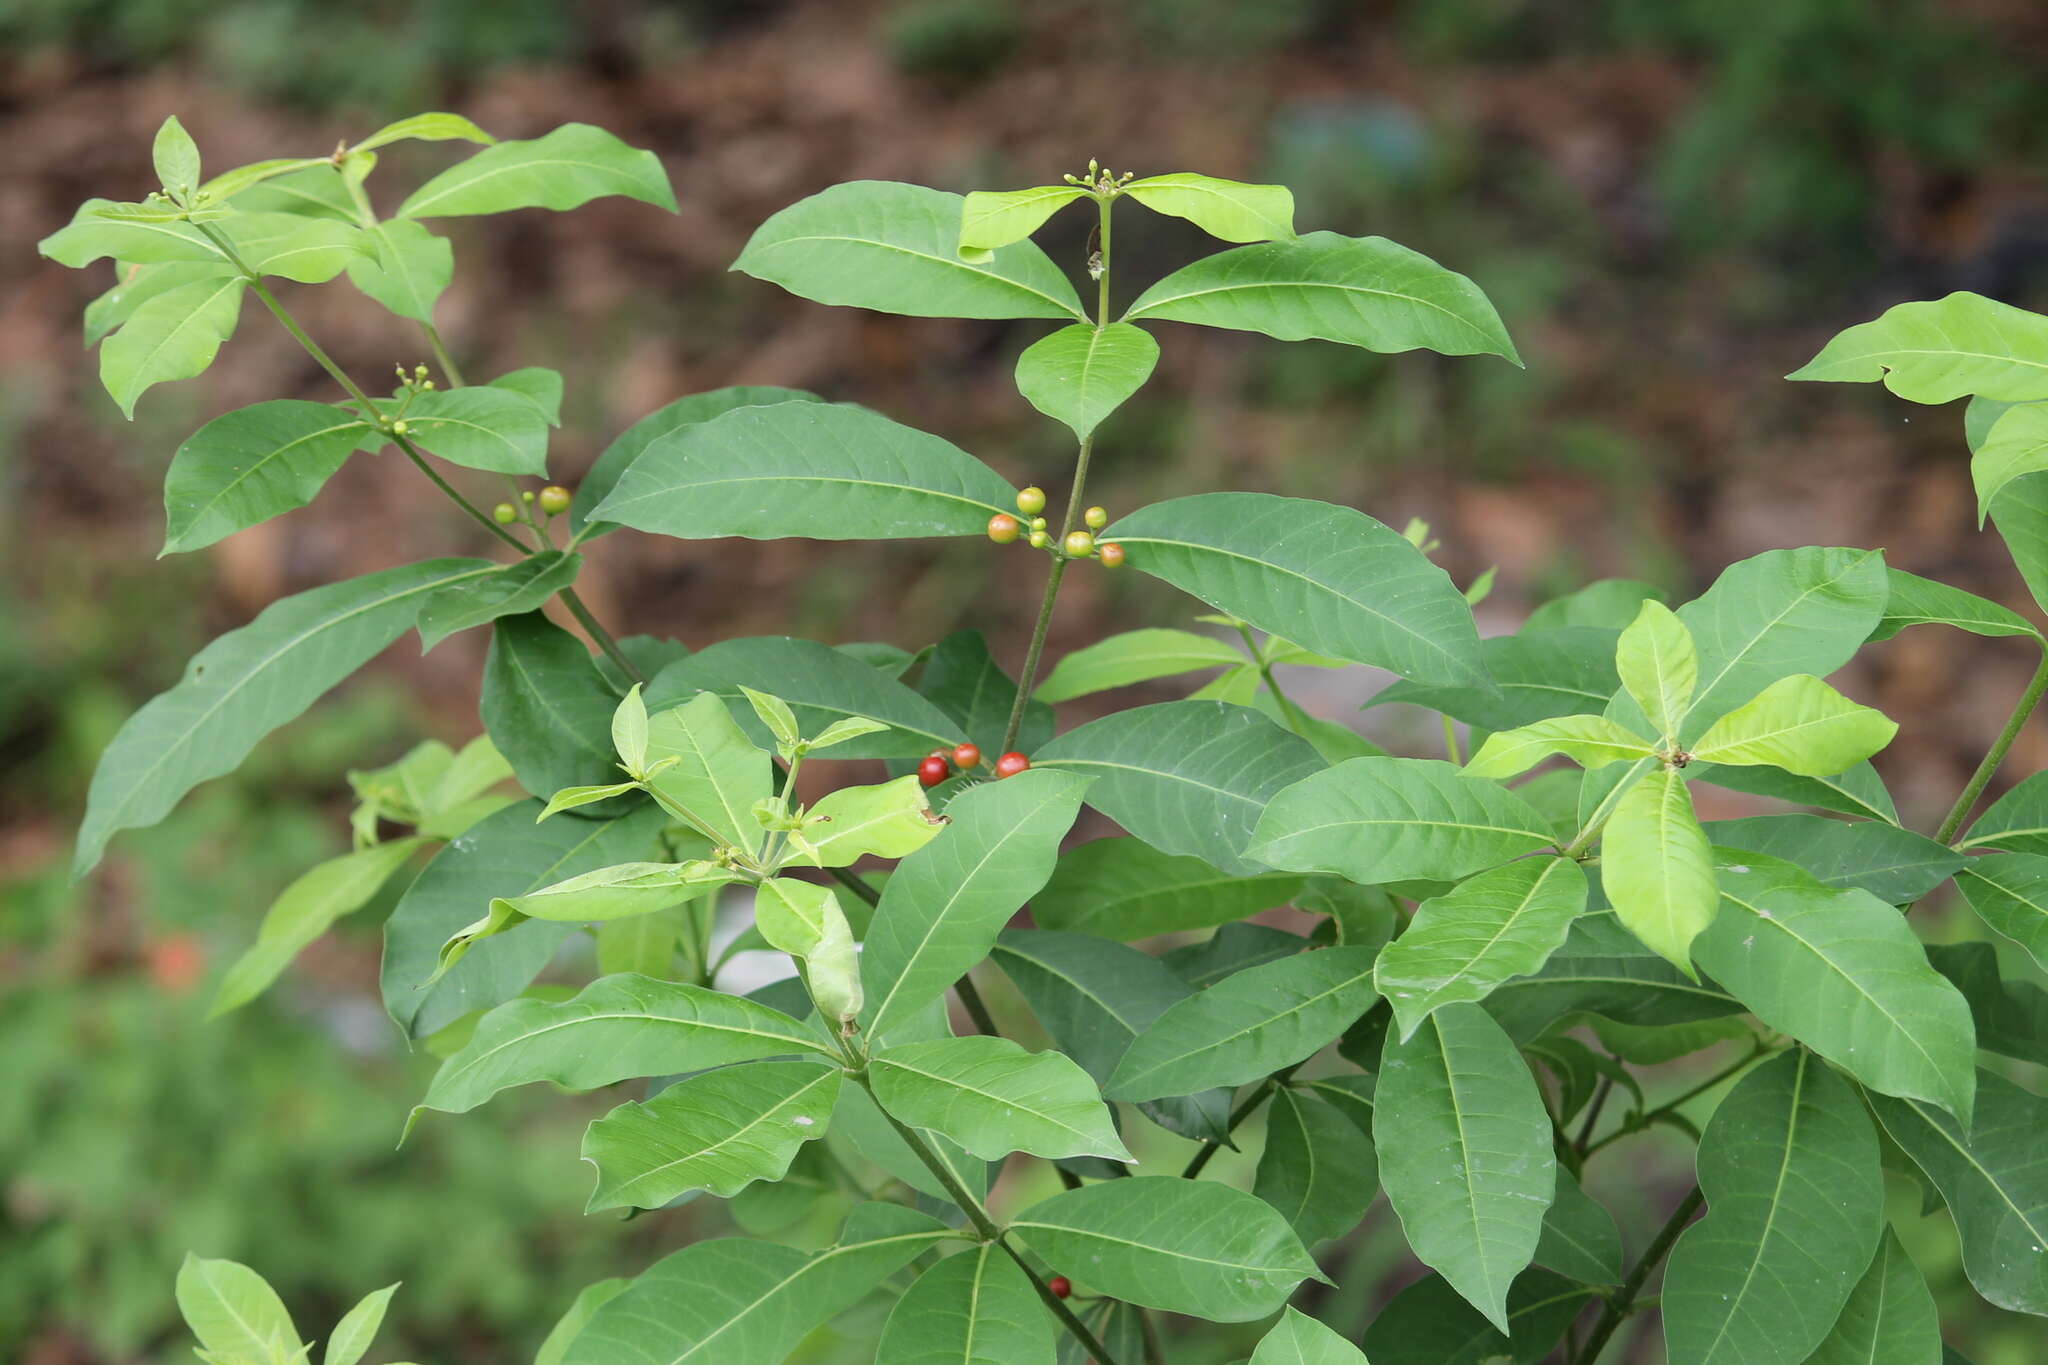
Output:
(1672, 203)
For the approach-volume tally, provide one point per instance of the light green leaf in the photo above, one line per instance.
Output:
(1799, 724)
(719, 773)
(2017, 821)
(664, 421)
(1318, 1168)
(97, 229)
(547, 707)
(629, 731)
(618, 892)
(806, 921)
(591, 1298)
(774, 713)
(1537, 675)
(172, 336)
(974, 1306)
(1428, 1324)
(1657, 867)
(860, 1129)
(411, 268)
(569, 167)
(176, 156)
(840, 731)
(569, 798)
(1135, 656)
(233, 1311)
(309, 186)
(1589, 741)
(425, 128)
(250, 465)
(1916, 601)
(991, 219)
(295, 247)
(539, 386)
(358, 1328)
(514, 590)
(1298, 1339)
(890, 820)
(1942, 350)
(2022, 517)
(1465, 1155)
(993, 1098)
(136, 285)
(1126, 889)
(1658, 665)
(479, 427)
(1328, 578)
(1377, 820)
(1182, 1246)
(1500, 924)
(1579, 1237)
(1227, 209)
(2009, 892)
(1081, 374)
(1795, 1203)
(1890, 1317)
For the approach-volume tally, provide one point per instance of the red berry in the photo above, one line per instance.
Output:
(1111, 554)
(1012, 763)
(1004, 528)
(1060, 1286)
(933, 771)
(967, 756)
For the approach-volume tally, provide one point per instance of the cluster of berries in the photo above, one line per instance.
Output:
(552, 500)
(939, 764)
(1004, 528)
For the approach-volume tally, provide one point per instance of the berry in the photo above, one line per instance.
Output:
(967, 756)
(1012, 763)
(1111, 554)
(505, 513)
(1096, 518)
(1060, 1286)
(1079, 544)
(554, 499)
(1040, 539)
(1004, 528)
(400, 427)
(1031, 501)
(933, 771)
(527, 496)
(1038, 523)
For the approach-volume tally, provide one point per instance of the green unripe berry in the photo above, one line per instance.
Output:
(1040, 539)
(1079, 545)
(400, 427)
(527, 496)
(1096, 518)
(554, 499)
(1038, 523)
(1031, 501)
(505, 513)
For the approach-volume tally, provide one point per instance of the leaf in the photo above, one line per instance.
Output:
(1795, 1203)
(176, 157)
(618, 892)
(1890, 1316)
(1428, 1324)
(1916, 601)
(1134, 656)
(1589, 741)
(1232, 949)
(1363, 291)
(991, 219)
(539, 386)
(768, 1298)
(719, 1130)
(569, 167)
(1187, 777)
(250, 465)
(311, 188)
(1895, 865)
(1657, 867)
(546, 706)
(96, 230)
(645, 944)
(1842, 972)
(1579, 1237)
(2011, 1016)
(1537, 675)
(246, 684)
(1227, 209)
(1318, 1167)
(479, 427)
(1799, 724)
(1859, 791)
(892, 820)
(514, 590)
(1465, 1156)
(963, 679)
(425, 128)
(1658, 665)
(826, 471)
(993, 1098)
(1181, 1246)
(566, 1329)
(2016, 822)
(1941, 350)
(358, 1328)
(411, 269)
(1328, 578)
(664, 421)
(895, 248)
(1378, 820)
(136, 285)
(1500, 924)
(233, 1311)
(718, 775)
(806, 921)
(1080, 374)
(2009, 892)
(296, 247)
(1608, 604)
(862, 1130)
(305, 910)
(1248, 1025)
(174, 335)
(2022, 516)
(1126, 889)
(1298, 1339)
(974, 1306)
(570, 798)
(1602, 968)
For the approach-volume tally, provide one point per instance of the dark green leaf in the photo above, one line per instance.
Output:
(1917, 601)
(2011, 1016)
(1318, 1167)
(250, 465)
(1232, 949)
(548, 709)
(1579, 1237)
(976, 1305)
(1859, 791)
(514, 590)
(963, 679)
(1126, 889)
(1429, 1324)
(1539, 674)
(1890, 1317)
(1895, 865)
(621, 454)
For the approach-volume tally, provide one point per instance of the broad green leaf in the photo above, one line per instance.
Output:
(1795, 1204)
(1428, 1324)
(1895, 865)
(719, 1131)
(718, 775)
(1227, 209)
(1500, 924)
(176, 157)
(862, 1130)
(303, 911)
(2016, 822)
(1537, 675)
(1916, 601)
(539, 386)
(314, 189)
(2016, 446)
(1377, 820)
(618, 892)
(411, 268)
(1318, 1168)
(1298, 1339)
(1081, 374)
(1658, 665)
(1589, 741)
(1133, 657)
(1465, 1155)
(767, 1298)
(546, 706)
(566, 1329)
(892, 820)
(806, 921)
(974, 1308)
(1603, 969)
(2011, 1016)
(234, 1312)
(95, 231)
(1941, 350)
(1363, 291)
(1993, 1180)
(1657, 867)
(1608, 604)
(993, 1098)
(136, 285)
(295, 247)
(2022, 517)
(945, 903)
(1859, 791)
(2009, 892)
(425, 128)
(1126, 889)
(352, 1336)
(1579, 1237)
(569, 167)
(963, 680)
(250, 465)
(1890, 1317)
(1328, 578)
(514, 590)
(1187, 777)
(645, 944)
(895, 248)
(1842, 972)
(991, 219)
(616, 1028)
(1181, 1246)
(622, 453)
(174, 335)
(1799, 724)
(1235, 948)
(1248, 1025)
(246, 684)
(479, 427)
(826, 471)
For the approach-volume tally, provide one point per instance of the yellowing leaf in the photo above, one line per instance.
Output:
(1799, 724)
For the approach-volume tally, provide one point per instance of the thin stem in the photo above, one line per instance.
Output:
(476, 513)
(1293, 713)
(1155, 1350)
(1102, 203)
(1618, 1307)
(1451, 743)
(1593, 1113)
(1637, 1123)
(1036, 651)
(597, 632)
(441, 356)
(1981, 779)
(1238, 1115)
(1598, 820)
(976, 1007)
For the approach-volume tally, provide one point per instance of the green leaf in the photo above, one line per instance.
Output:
(840, 731)
(1890, 1317)
(1248, 1025)
(96, 230)
(569, 167)
(774, 713)
(1428, 1324)
(1235, 948)
(425, 128)
(1126, 889)
(303, 911)
(1579, 1237)
(2022, 516)
(2017, 821)
(945, 903)
(233, 1311)
(250, 465)
(860, 1128)
(246, 684)
(1363, 291)
(1537, 675)
(1602, 968)
(806, 921)
(1465, 1156)
(295, 247)
(2011, 1016)
(136, 285)
(616, 1028)
(719, 774)
(891, 820)
(1298, 1339)
(566, 1329)
(768, 1298)
(314, 189)
(993, 1098)
(539, 386)
(479, 427)
(1135, 656)
(719, 1131)
(1081, 374)
(1187, 777)
(1607, 604)
(827, 471)
(618, 892)
(176, 156)
(1895, 865)
(1500, 924)
(1377, 820)
(645, 944)
(664, 421)
(1589, 741)
(1328, 578)
(1942, 350)
(1181, 1246)
(174, 335)
(1799, 724)
(1658, 665)
(546, 706)
(963, 679)
(514, 590)
(974, 1306)
(895, 248)
(1227, 209)
(2009, 892)
(1657, 868)
(1842, 972)
(1318, 1168)
(1795, 1203)
(411, 269)
(570, 798)
(992, 219)
(1916, 601)
(358, 1328)
(1859, 791)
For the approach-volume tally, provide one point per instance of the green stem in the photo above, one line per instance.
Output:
(1600, 1095)
(1238, 1115)
(598, 633)
(441, 356)
(1451, 743)
(1598, 820)
(1981, 779)
(1296, 721)
(1637, 1123)
(1155, 1350)
(1624, 1298)
(976, 1007)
